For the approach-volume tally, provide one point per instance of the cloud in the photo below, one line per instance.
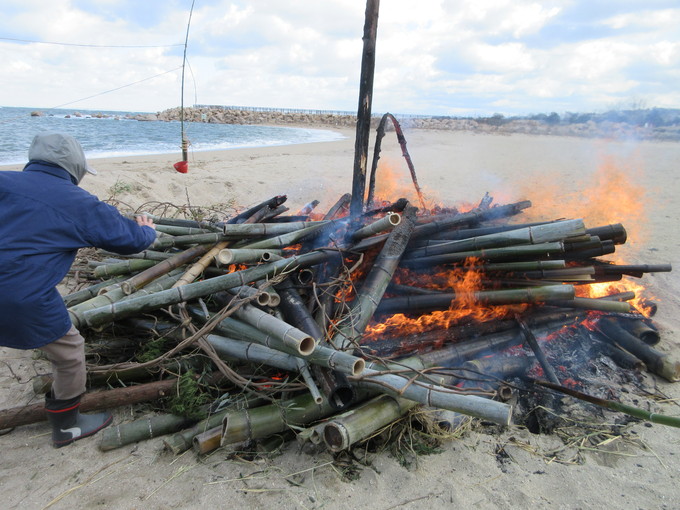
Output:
(432, 56)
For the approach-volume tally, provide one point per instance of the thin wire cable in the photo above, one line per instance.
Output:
(117, 88)
(91, 45)
(5, 121)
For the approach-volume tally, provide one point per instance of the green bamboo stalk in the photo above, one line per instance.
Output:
(322, 355)
(387, 222)
(291, 337)
(138, 281)
(242, 230)
(175, 230)
(261, 298)
(141, 429)
(182, 441)
(509, 252)
(181, 222)
(601, 305)
(82, 295)
(274, 298)
(436, 396)
(161, 283)
(265, 421)
(352, 327)
(538, 234)
(229, 256)
(114, 311)
(284, 240)
(146, 254)
(124, 267)
(238, 232)
(671, 421)
(342, 431)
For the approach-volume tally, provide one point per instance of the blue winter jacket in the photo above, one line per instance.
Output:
(44, 218)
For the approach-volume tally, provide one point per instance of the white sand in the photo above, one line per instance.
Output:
(558, 174)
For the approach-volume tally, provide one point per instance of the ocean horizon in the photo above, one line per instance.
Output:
(108, 133)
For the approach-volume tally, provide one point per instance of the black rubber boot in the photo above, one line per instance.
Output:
(68, 424)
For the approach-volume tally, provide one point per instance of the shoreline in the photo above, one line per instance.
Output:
(487, 467)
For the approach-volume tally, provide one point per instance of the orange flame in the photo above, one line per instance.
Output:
(463, 282)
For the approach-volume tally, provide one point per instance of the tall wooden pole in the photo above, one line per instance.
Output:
(364, 111)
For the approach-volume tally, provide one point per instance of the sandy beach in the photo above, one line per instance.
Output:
(602, 181)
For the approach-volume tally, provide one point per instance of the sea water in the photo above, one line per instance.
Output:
(110, 133)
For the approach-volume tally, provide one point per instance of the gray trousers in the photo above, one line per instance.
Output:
(68, 365)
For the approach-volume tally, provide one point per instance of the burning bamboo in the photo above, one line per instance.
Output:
(543, 294)
(376, 283)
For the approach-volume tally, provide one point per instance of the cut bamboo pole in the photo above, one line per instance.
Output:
(549, 232)
(102, 315)
(334, 384)
(436, 396)
(286, 239)
(138, 281)
(89, 292)
(341, 432)
(264, 421)
(352, 327)
(229, 256)
(141, 429)
(387, 222)
(124, 267)
(540, 294)
(656, 361)
(508, 252)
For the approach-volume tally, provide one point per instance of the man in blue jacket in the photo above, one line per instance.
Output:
(45, 218)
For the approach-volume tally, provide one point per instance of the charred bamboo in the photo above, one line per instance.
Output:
(507, 253)
(538, 352)
(334, 385)
(352, 327)
(643, 329)
(656, 361)
(543, 294)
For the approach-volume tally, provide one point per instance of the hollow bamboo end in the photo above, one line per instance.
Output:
(394, 218)
(306, 346)
(670, 370)
(225, 257)
(335, 436)
(358, 367)
(263, 299)
(505, 394)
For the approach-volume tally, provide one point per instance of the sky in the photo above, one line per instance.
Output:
(433, 57)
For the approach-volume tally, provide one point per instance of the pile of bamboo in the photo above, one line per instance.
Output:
(286, 306)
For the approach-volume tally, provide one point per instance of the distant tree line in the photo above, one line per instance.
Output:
(651, 117)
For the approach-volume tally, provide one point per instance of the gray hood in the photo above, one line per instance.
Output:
(62, 150)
